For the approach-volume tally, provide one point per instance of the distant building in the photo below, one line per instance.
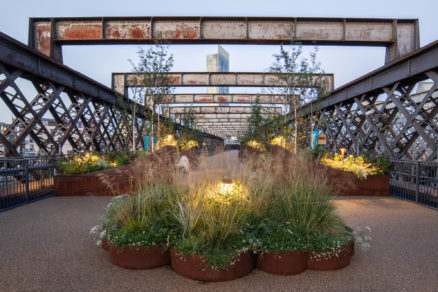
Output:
(219, 62)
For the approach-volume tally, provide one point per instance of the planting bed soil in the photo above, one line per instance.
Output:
(195, 267)
(283, 263)
(138, 257)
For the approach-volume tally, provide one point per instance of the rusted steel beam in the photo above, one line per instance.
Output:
(400, 36)
(226, 120)
(224, 98)
(122, 81)
(225, 116)
(411, 68)
(218, 109)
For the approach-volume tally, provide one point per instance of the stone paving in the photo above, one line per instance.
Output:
(46, 246)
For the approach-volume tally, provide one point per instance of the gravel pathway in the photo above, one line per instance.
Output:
(46, 246)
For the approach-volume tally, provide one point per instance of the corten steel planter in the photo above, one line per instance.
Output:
(105, 243)
(283, 263)
(138, 257)
(109, 182)
(195, 267)
(347, 184)
(113, 181)
(317, 261)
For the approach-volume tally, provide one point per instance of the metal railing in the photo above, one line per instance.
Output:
(23, 180)
(415, 181)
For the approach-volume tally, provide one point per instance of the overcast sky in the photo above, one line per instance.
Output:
(347, 63)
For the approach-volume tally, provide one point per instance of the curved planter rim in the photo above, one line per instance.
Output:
(283, 262)
(331, 262)
(139, 257)
(194, 267)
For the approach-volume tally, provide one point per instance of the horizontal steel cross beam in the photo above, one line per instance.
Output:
(400, 36)
(224, 98)
(122, 81)
(217, 110)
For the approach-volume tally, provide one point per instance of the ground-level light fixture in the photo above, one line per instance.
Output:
(226, 186)
(343, 150)
(192, 143)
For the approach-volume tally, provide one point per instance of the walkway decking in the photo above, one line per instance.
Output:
(46, 246)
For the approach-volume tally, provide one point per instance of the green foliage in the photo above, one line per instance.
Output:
(315, 153)
(90, 162)
(189, 136)
(154, 64)
(383, 163)
(358, 165)
(323, 241)
(141, 219)
(264, 209)
(261, 130)
(82, 164)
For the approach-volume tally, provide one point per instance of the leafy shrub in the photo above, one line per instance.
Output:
(357, 165)
(90, 162)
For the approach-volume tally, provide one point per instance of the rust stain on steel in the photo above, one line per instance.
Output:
(174, 79)
(71, 31)
(242, 98)
(128, 30)
(203, 98)
(222, 99)
(42, 37)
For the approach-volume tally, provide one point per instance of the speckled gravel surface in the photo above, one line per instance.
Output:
(46, 246)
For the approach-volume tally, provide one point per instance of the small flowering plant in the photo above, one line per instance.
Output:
(266, 236)
(324, 245)
(362, 237)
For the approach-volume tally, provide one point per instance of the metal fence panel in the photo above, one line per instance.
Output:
(415, 181)
(23, 180)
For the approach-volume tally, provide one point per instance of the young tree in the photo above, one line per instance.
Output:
(154, 64)
(297, 73)
(189, 136)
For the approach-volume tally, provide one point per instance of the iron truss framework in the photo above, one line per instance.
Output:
(87, 115)
(392, 110)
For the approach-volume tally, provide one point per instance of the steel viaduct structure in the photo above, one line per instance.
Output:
(70, 97)
(387, 111)
(382, 111)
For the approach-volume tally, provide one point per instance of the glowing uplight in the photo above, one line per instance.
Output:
(256, 145)
(343, 150)
(169, 140)
(226, 186)
(280, 141)
(192, 143)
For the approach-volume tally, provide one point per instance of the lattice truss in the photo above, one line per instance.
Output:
(394, 121)
(81, 122)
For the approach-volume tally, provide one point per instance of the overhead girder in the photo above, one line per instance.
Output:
(399, 36)
(392, 110)
(121, 82)
(217, 110)
(224, 98)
